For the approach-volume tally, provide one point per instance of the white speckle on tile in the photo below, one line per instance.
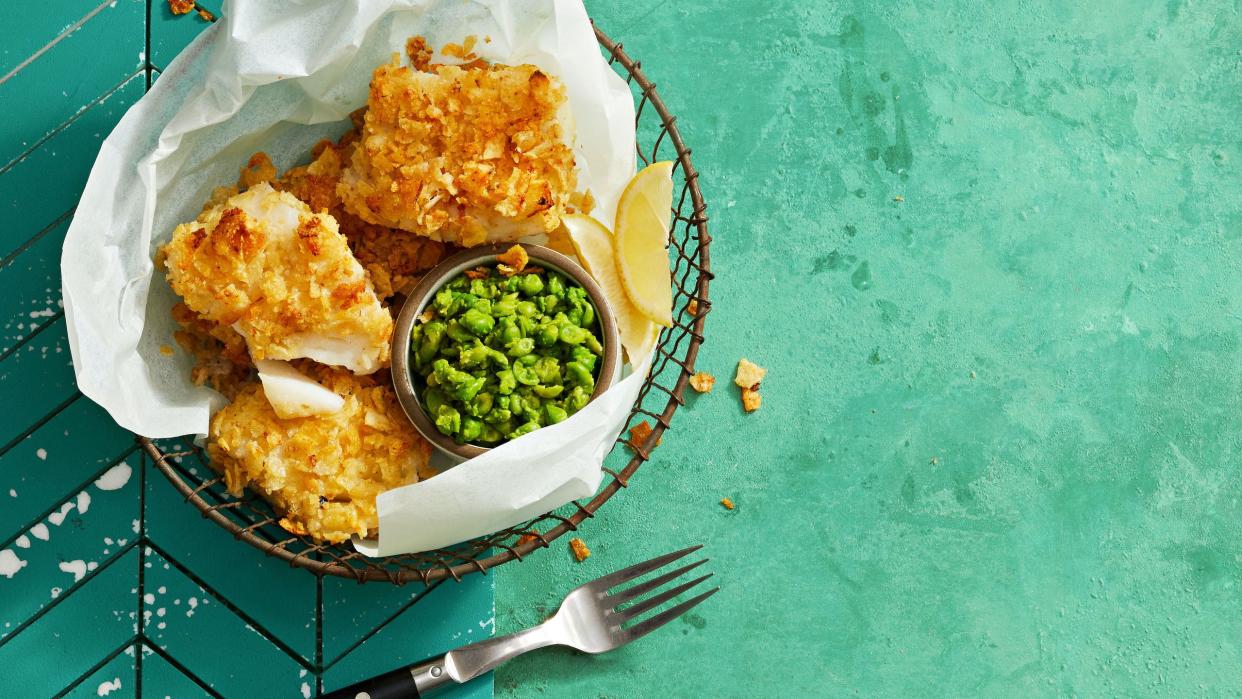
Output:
(193, 602)
(486, 623)
(22, 542)
(161, 625)
(135, 526)
(92, 565)
(41, 453)
(177, 601)
(148, 598)
(302, 672)
(77, 568)
(55, 592)
(115, 478)
(57, 518)
(84, 501)
(106, 687)
(129, 651)
(39, 531)
(161, 611)
(10, 563)
(121, 542)
(45, 313)
(108, 540)
(162, 590)
(12, 493)
(305, 691)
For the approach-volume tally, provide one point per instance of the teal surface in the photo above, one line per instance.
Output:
(110, 584)
(991, 254)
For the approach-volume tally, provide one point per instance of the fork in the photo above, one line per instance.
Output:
(590, 620)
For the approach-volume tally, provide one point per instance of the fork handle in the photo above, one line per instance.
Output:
(409, 682)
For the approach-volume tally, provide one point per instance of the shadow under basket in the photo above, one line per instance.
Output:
(251, 520)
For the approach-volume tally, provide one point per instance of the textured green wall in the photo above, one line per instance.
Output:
(990, 255)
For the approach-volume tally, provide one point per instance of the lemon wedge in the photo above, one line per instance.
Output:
(593, 245)
(641, 241)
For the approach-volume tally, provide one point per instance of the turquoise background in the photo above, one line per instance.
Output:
(989, 254)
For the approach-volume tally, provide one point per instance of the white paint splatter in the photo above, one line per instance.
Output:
(92, 565)
(41, 453)
(106, 687)
(77, 568)
(162, 590)
(161, 611)
(55, 592)
(305, 691)
(115, 478)
(45, 313)
(135, 526)
(57, 518)
(161, 625)
(12, 493)
(302, 672)
(108, 540)
(148, 598)
(193, 602)
(39, 531)
(84, 501)
(10, 563)
(22, 542)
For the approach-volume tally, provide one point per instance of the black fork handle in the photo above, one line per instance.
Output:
(409, 682)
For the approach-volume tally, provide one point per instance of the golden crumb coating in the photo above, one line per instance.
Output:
(321, 473)
(394, 258)
(220, 357)
(462, 154)
(283, 277)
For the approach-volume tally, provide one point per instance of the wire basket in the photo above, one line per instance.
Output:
(250, 519)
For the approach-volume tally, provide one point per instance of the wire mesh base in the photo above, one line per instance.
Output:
(250, 519)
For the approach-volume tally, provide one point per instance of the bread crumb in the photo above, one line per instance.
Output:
(899, 198)
(749, 374)
(639, 434)
(206, 15)
(180, 7)
(526, 539)
(579, 548)
(512, 261)
(702, 382)
(728, 504)
(693, 307)
(750, 400)
(166, 350)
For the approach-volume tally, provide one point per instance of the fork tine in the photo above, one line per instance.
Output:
(639, 569)
(646, 626)
(653, 602)
(630, 593)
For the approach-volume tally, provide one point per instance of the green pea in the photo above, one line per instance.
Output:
(588, 315)
(506, 306)
(577, 399)
(432, 336)
(516, 405)
(498, 415)
(478, 287)
(578, 374)
(520, 347)
(471, 428)
(481, 405)
(554, 414)
(525, 428)
(456, 333)
(531, 284)
(556, 286)
(592, 343)
(548, 369)
(490, 435)
(505, 381)
(575, 315)
(547, 335)
(474, 356)
(548, 391)
(526, 325)
(508, 331)
(524, 370)
(548, 303)
(583, 356)
(434, 398)
(573, 335)
(448, 420)
(478, 322)
(526, 308)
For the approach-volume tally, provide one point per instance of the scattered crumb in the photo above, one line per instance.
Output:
(749, 374)
(639, 434)
(750, 400)
(512, 261)
(579, 547)
(526, 539)
(180, 7)
(702, 382)
(166, 350)
(935, 460)
(477, 273)
(428, 315)
(728, 504)
(206, 14)
(899, 198)
(972, 375)
(693, 307)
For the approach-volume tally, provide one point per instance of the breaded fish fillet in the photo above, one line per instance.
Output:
(283, 277)
(321, 473)
(466, 155)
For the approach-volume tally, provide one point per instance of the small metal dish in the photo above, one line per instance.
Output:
(449, 269)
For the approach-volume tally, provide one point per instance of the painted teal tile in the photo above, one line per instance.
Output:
(37, 376)
(171, 33)
(161, 679)
(82, 628)
(451, 615)
(277, 596)
(179, 616)
(86, 532)
(59, 458)
(45, 184)
(32, 288)
(350, 610)
(40, 22)
(117, 678)
(73, 73)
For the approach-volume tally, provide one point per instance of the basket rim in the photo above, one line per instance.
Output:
(309, 559)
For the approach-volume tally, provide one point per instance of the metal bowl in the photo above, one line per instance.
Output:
(447, 271)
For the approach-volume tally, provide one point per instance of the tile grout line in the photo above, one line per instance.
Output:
(9, 258)
(40, 422)
(33, 333)
(97, 666)
(370, 634)
(146, 642)
(64, 34)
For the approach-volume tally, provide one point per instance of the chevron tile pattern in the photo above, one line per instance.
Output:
(110, 584)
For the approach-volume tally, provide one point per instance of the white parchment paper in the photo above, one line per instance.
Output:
(278, 77)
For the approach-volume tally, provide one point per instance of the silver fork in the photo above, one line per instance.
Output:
(590, 620)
